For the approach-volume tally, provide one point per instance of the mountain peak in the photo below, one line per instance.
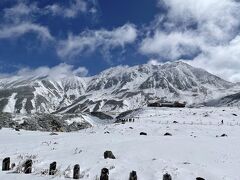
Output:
(115, 89)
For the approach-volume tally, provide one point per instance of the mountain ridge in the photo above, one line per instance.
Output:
(116, 89)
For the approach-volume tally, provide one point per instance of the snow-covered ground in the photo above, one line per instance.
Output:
(192, 151)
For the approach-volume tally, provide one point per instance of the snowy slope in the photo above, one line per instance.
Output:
(116, 89)
(41, 94)
(192, 151)
(11, 104)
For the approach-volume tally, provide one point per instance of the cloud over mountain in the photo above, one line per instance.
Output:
(56, 72)
(203, 32)
(90, 40)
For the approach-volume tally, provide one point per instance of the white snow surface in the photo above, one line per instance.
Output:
(192, 151)
(10, 107)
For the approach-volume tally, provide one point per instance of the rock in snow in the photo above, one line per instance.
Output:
(109, 154)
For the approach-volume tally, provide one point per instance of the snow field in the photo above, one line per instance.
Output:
(193, 149)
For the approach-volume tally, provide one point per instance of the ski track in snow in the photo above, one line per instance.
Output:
(193, 149)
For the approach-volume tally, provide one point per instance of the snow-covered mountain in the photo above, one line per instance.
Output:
(116, 89)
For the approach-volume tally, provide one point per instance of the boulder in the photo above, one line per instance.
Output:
(109, 154)
(104, 174)
(167, 134)
(143, 134)
(199, 178)
(133, 175)
(223, 135)
(167, 177)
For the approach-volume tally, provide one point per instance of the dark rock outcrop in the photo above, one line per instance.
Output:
(143, 134)
(109, 154)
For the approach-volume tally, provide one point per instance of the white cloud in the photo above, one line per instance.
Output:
(75, 8)
(20, 12)
(18, 20)
(223, 60)
(80, 71)
(154, 62)
(104, 40)
(216, 22)
(190, 27)
(21, 18)
(57, 72)
(215, 19)
(171, 46)
(12, 31)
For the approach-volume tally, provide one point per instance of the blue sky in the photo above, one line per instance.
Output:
(92, 35)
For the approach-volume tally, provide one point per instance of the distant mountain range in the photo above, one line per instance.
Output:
(116, 89)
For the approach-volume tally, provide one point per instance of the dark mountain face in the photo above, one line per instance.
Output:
(230, 100)
(116, 89)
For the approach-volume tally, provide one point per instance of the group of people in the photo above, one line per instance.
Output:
(126, 120)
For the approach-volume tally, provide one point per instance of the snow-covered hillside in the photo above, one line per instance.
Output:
(116, 89)
(195, 149)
